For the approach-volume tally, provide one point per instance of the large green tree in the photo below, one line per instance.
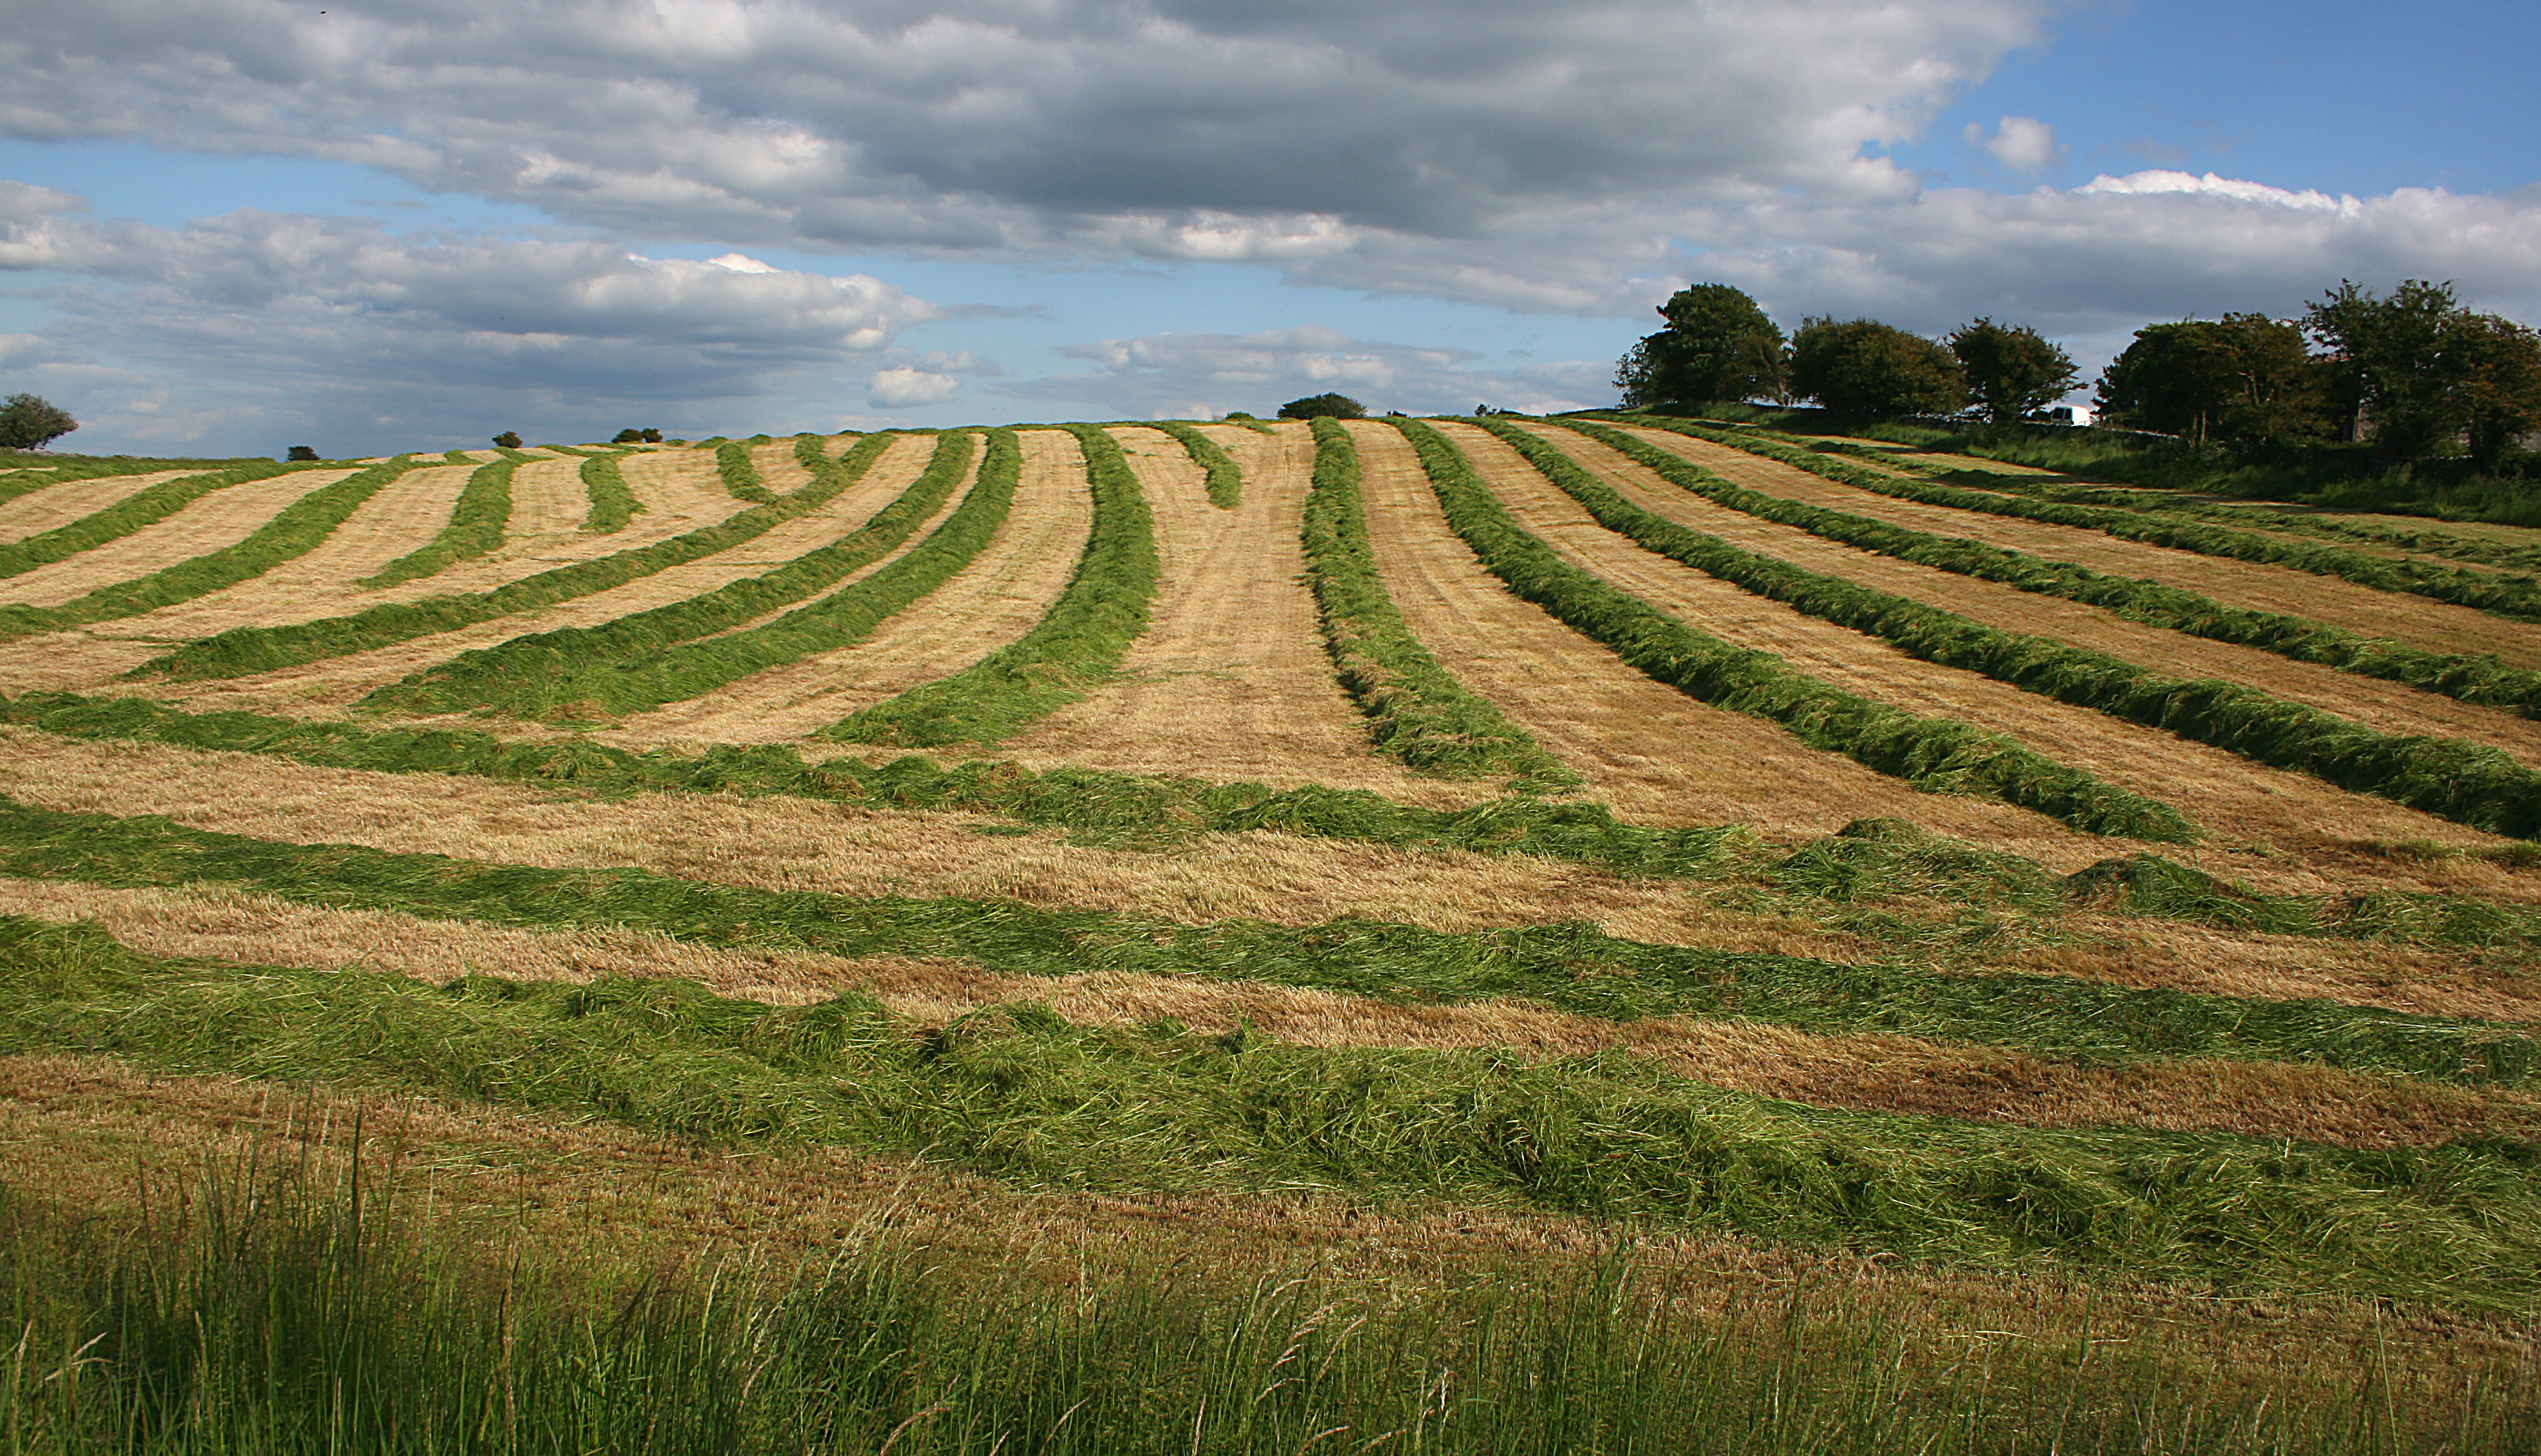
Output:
(2428, 371)
(2012, 373)
(30, 422)
(1717, 346)
(1861, 366)
(2243, 377)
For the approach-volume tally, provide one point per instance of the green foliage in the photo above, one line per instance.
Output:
(1257, 427)
(2426, 368)
(142, 508)
(2245, 377)
(1074, 648)
(301, 454)
(508, 439)
(1870, 368)
(476, 523)
(1225, 481)
(739, 475)
(242, 651)
(31, 421)
(1930, 753)
(1323, 407)
(291, 534)
(574, 670)
(613, 503)
(1717, 345)
(2012, 373)
(1416, 710)
(632, 436)
(2464, 782)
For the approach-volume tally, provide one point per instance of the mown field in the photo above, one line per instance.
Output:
(1601, 933)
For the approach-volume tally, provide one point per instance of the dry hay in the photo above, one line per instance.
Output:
(48, 507)
(224, 517)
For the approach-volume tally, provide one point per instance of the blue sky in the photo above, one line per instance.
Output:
(236, 225)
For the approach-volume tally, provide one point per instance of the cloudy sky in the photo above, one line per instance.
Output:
(227, 225)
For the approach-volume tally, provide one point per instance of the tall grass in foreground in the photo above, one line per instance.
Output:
(255, 1312)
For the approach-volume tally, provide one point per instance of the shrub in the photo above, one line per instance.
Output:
(508, 439)
(1323, 407)
(300, 453)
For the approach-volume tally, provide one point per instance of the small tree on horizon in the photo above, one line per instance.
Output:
(301, 452)
(2012, 373)
(32, 422)
(1324, 407)
(508, 439)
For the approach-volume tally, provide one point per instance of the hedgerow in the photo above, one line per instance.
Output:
(2468, 783)
(475, 526)
(1075, 645)
(1416, 710)
(142, 508)
(1930, 753)
(549, 675)
(242, 651)
(293, 531)
(613, 505)
(2517, 598)
(1225, 481)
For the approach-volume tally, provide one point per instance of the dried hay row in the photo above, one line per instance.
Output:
(2436, 626)
(221, 518)
(1867, 1071)
(48, 507)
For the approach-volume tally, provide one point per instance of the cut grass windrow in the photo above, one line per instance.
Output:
(694, 668)
(1225, 481)
(2467, 783)
(1570, 966)
(1416, 710)
(475, 526)
(1019, 1092)
(245, 651)
(613, 505)
(1864, 862)
(293, 532)
(2514, 598)
(25, 478)
(2471, 679)
(1928, 752)
(543, 674)
(1075, 647)
(142, 508)
(739, 475)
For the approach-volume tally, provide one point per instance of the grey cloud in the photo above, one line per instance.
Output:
(1199, 376)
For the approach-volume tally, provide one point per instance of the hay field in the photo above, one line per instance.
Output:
(978, 844)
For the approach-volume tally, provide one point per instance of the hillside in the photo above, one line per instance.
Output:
(1961, 950)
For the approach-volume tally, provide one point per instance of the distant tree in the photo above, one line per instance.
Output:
(2012, 373)
(1237, 414)
(509, 439)
(1322, 406)
(2244, 377)
(30, 422)
(301, 452)
(1865, 367)
(2390, 355)
(628, 436)
(1717, 346)
(652, 436)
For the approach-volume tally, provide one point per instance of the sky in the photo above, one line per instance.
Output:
(232, 226)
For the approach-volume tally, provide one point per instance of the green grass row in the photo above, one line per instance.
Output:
(548, 674)
(1416, 710)
(245, 651)
(693, 669)
(1870, 862)
(1021, 1094)
(476, 523)
(1570, 966)
(142, 508)
(17, 479)
(2518, 599)
(2469, 679)
(293, 532)
(1225, 481)
(2468, 783)
(613, 503)
(739, 475)
(1074, 648)
(1930, 753)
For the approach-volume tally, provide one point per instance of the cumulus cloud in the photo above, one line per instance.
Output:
(2020, 144)
(1197, 376)
(901, 387)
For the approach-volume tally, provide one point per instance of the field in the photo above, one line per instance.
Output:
(1613, 932)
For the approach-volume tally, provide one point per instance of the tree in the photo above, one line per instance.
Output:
(2012, 373)
(1865, 367)
(1717, 346)
(2390, 353)
(301, 452)
(509, 439)
(30, 422)
(2502, 385)
(2245, 377)
(628, 436)
(1322, 406)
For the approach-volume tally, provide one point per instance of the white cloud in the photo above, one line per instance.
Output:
(2022, 144)
(1199, 375)
(900, 388)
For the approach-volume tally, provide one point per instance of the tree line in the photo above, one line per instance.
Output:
(2415, 370)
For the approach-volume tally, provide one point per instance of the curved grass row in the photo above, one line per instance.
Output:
(1864, 864)
(1075, 645)
(144, 507)
(2514, 598)
(740, 474)
(476, 523)
(293, 532)
(23, 479)
(1929, 753)
(2482, 680)
(613, 503)
(2468, 783)
(244, 650)
(1225, 481)
(1416, 710)
(542, 675)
